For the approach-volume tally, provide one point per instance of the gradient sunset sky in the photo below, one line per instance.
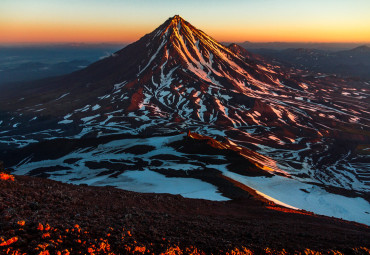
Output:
(44, 21)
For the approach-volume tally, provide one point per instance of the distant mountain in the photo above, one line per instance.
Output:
(31, 62)
(349, 63)
(248, 56)
(178, 112)
(289, 45)
(35, 70)
(361, 49)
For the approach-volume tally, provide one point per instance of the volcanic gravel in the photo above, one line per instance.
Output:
(37, 213)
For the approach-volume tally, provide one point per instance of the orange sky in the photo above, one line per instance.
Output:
(85, 33)
(42, 21)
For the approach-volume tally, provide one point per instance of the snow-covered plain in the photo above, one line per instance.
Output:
(144, 180)
(284, 191)
(151, 182)
(308, 197)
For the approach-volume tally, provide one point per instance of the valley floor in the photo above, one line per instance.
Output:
(41, 216)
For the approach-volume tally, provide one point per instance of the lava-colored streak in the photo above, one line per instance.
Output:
(268, 204)
(260, 161)
(288, 210)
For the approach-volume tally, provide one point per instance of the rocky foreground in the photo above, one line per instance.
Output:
(41, 216)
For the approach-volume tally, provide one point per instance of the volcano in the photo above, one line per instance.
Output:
(278, 130)
(177, 70)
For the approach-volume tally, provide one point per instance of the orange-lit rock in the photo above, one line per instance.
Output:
(21, 223)
(9, 241)
(46, 235)
(258, 160)
(5, 177)
(47, 227)
(140, 249)
(40, 227)
(130, 237)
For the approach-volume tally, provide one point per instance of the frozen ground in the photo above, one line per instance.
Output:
(131, 164)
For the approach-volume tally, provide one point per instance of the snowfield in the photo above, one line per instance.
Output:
(294, 194)
(284, 191)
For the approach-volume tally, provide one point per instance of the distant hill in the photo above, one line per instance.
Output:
(345, 63)
(287, 45)
(26, 62)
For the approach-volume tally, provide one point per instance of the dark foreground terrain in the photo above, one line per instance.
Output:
(40, 216)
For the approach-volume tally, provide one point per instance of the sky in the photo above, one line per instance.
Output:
(117, 21)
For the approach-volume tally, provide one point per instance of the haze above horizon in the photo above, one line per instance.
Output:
(94, 21)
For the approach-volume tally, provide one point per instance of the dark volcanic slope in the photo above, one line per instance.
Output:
(157, 222)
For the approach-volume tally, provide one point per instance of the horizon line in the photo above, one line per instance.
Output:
(129, 42)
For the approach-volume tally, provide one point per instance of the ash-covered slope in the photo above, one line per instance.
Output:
(121, 222)
(310, 127)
